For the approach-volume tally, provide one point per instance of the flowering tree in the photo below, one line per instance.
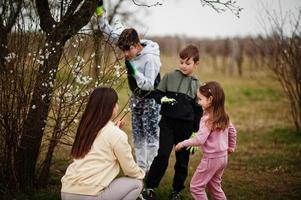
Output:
(58, 30)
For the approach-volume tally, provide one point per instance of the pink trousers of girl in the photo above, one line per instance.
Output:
(209, 174)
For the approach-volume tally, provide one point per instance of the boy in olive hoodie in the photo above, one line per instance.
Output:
(177, 93)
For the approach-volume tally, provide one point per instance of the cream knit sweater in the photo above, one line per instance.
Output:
(91, 174)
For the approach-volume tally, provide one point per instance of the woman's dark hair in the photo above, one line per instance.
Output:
(220, 119)
(96, 115)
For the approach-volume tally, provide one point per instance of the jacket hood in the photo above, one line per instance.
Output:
(150, 47)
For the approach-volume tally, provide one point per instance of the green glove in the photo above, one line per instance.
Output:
(130, 67)
(192, 149)
(99, 8)
(167, 100)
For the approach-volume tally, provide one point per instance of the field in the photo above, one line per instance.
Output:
(267, 162)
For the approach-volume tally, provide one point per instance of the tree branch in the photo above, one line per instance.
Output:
(218, 5)
(46, 19)
(81, 17)
(13, 14)
(114, 12)
(146, 5)
(71, 9)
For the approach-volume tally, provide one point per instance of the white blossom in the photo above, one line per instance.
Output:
(62, 124)
(10, 56)
(33, 107)
(58, 99)
(41, 62)
(117, 70)
(83, 80)
(80, 59)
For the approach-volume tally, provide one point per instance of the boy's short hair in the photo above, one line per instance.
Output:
(190, 51)
(127, 38)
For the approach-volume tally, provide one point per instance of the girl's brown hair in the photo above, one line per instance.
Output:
(220, 119)
(98, 112)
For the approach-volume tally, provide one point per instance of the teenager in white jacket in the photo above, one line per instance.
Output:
(142, 60)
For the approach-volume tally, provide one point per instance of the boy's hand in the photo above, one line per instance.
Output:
(99, 8)
(179, 146)
(130, 67)
(191, 149)
(165, 99)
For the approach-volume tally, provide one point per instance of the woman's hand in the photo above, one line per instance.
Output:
(120, 124)
(179, 146)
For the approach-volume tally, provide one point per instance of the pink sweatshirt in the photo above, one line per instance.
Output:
(214, 144)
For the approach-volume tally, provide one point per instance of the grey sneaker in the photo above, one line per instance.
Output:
(175, 196)
(148, 194)
(140, 197)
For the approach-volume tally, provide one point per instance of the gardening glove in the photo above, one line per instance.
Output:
(167, 100)
(99, 8)
(192, 149)
(130, 67)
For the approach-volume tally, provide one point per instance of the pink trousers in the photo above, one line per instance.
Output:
(209, 174)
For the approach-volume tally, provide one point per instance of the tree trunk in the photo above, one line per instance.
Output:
(3, 51)
(34, 124)
(44, 175)
(57, 35)
(239, 66)
(98, 36)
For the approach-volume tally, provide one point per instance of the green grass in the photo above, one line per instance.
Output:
(266, 165)
(267, 162)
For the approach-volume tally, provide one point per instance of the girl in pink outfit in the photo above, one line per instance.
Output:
(217, 138)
